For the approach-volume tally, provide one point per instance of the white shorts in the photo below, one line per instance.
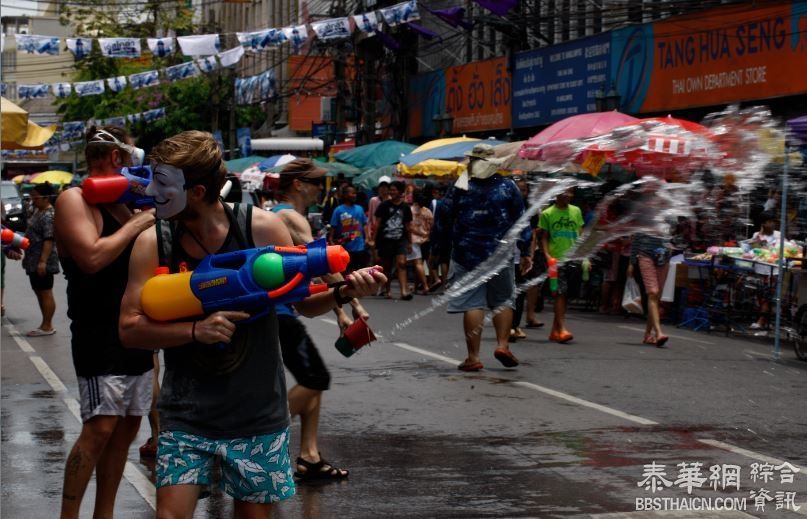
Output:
(115, 395)
(415, 254)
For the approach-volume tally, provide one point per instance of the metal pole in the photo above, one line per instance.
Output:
(781, 269)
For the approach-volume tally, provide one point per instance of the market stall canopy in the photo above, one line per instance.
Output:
(54, 176)
(436, 167)
(288, 144)
(18, 132)
(369, 179)
(275, 160)
(375, 155)
(335, 168)
(455, 151)
(239, 165)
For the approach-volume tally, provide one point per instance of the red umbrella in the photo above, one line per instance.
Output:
(660, 146)
(556, 140)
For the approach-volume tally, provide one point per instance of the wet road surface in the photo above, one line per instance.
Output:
(567, 434)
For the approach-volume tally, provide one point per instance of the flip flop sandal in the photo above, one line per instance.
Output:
(319, 471)
(507, 358)
(539, 324)
(39, 332)
(473, 366)
(661, 340)
(407, 297)
(649, 339)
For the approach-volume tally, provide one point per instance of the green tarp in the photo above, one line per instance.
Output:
(375, 155)
(369, 179)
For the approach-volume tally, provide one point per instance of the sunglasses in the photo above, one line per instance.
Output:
(104, 137)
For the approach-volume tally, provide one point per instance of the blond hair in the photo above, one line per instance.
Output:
(199, 157)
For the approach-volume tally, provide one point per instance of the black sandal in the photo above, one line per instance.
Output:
(322, 470)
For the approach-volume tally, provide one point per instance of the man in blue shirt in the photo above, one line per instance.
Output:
(347, 228)
(472, 220)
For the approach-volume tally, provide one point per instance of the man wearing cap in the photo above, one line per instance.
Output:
(475, 216)
(223, 400)
(301, 183)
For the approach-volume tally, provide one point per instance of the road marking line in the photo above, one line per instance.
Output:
(137, 479)
(747, 453)
(545, 390)
(329, 321)
(586, 403)
(636, 329)
(50, 377)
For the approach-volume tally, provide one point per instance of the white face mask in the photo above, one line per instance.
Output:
(137, 156)
(168, 190)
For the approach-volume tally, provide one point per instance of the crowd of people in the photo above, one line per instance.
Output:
(224, 399)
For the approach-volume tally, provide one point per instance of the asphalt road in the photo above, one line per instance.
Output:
(566, 434)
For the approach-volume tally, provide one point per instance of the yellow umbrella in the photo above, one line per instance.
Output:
(53, 176)
(435, 167)
(17, 131)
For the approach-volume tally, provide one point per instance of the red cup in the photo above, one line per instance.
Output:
(356, 336)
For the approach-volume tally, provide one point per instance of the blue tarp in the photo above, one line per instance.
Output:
(454, 151)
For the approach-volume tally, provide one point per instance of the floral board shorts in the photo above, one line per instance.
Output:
(256, 469)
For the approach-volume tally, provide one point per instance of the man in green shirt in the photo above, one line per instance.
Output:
(561, 225)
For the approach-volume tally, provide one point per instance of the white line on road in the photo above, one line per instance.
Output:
(690, 339)
(329, 321)
(136, 478)
(749, 454)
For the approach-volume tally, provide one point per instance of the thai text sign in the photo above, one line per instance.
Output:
(719, 56)
(478, 95)
(555, 82)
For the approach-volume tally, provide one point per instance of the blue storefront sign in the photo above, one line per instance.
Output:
(553, 83)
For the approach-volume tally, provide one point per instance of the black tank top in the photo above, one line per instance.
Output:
(93, 306)
(223, 391)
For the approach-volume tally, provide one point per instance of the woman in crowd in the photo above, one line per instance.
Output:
(422, 220)
(40, 261)
(652, 254)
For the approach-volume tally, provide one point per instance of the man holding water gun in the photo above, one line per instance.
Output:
(115, 384)
(224, 391)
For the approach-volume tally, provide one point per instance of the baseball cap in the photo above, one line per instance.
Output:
(299, 168)
(384, 180)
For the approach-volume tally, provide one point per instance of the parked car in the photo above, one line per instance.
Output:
(12, 206)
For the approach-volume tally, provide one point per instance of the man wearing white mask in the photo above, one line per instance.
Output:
(474, 217)
(115, 384)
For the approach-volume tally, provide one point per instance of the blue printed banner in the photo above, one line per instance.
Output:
(31, 44)
(32, 91)
(208, 64)
(80, 47)
(73, 130)
(161, 47)
(244, 141)
(366, 22)
(62, 89)
(401, 13)
(332, 29)
(152, 115)
(144, 79)
(556, 82)
(182, 71)
(89, 88)
(116, 84)
(261, 40)
(297, 35)
(120, 47)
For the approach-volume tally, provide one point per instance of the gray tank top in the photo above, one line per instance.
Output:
(233, 391)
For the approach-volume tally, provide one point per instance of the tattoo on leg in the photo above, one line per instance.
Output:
(74, 461)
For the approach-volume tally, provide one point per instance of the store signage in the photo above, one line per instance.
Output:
(552, 83)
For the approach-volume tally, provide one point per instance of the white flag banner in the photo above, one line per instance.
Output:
(161, 47)
(261, 40)
(73, 130)
(153, 115)
(267, 87)
(89, 88)
(182, 71)
(367, 22)
(332, 29)
(144, 79)
(61, 89)
(32, 91)
(80, 47)
(208, 64)
(297, 35)
(120, 47)
(133, 118)
(230, 57)
(39, 45)
(116, 84)
(200, 45)
(401, 13)
(114, 121)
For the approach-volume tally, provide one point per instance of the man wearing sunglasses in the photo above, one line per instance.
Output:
(115, 384)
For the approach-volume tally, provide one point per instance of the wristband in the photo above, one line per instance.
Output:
(193, 332)
(339, 298)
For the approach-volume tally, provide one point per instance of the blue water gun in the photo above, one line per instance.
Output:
(250, 280)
